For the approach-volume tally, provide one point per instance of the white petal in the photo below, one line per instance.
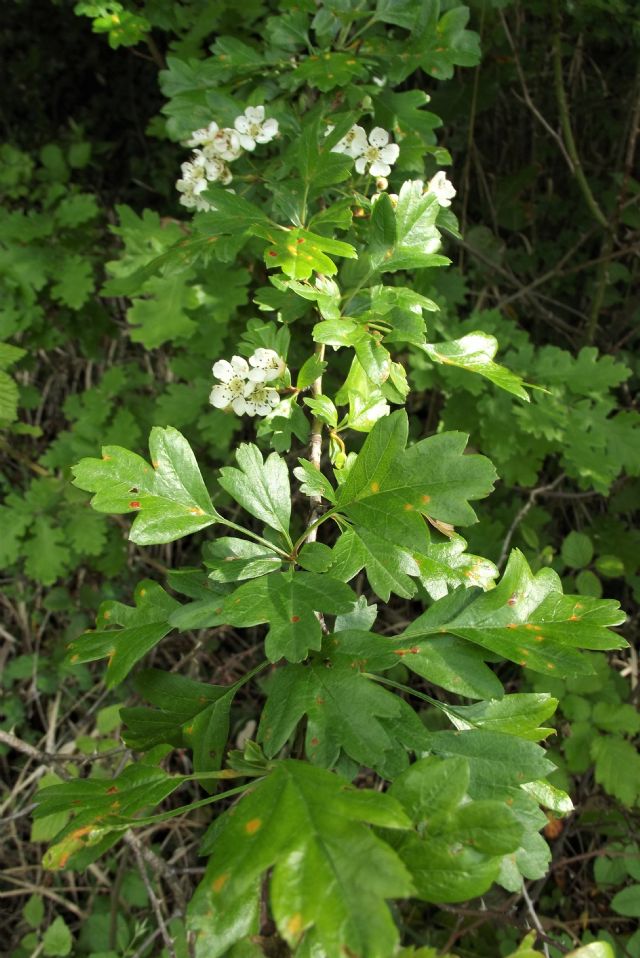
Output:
(269, 129)
(390, 153)
(239, 406)
(220, 397)
(240, 365)
(188, 200)
(249, 407)
(247, 142)
(358, 142)
(223, 370)
(258, 376)
(241, 124)
(272, 397)
(263, 357)
(361, 164)
(378, 168)
(378, 136)
(255, 114)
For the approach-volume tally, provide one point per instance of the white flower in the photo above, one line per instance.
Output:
(260, 399)
(267, 365)
(379, 155)
(190, 198)
(233, 383)
(253, 128)
(204, 135)
(442, 188)
(195, 173)
(353, 143)
(216, 143)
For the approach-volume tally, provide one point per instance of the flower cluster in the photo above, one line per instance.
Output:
(243, 385)
(215, 148)
(374, 155)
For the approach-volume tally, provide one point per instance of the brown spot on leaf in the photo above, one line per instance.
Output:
(295, 618)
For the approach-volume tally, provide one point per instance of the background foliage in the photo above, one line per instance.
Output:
(548, 264)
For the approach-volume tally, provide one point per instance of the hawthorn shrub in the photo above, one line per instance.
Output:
(393, 761)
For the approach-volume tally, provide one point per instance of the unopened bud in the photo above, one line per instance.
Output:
(382, 183)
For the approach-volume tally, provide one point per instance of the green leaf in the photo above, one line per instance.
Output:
(456, 852)
(189, 714)
(310, 370)
(47, 556)
(617, 767)
(287, 601)
(499, 763)
(444, 660)
(413, 243)
(577, 550)
(142, 627)
(444, 565)
(102, 805)
(74, 281)
(474, 352)
(345, 710)
(595, 949)
(262, 488)
(330, 70)
(627, 902)
(232, 560)
(528, 620)
(33, 911)
(300, 252)
(170, 497)
(388, 567)
(432, 477)
(517, 714)
(313, 482)
(57, 939)
(161, 316)
(9, 395)
(10, 354)
(307, 825)
(315, 557)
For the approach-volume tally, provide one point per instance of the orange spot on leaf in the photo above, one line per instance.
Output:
(253, 825)
(134, 504)
(294, 924)
(295, 618)
(375, 487)
(219, 882)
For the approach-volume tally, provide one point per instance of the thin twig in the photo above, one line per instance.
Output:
(534, 918)
(533, 495)
(134, 845)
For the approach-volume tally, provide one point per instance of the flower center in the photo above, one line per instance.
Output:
(254, 129)
(372, 153)
(236, 386)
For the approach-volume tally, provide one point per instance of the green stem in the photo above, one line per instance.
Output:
(448, 710)
(174, 812)
(254, 535)
(314, 525)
